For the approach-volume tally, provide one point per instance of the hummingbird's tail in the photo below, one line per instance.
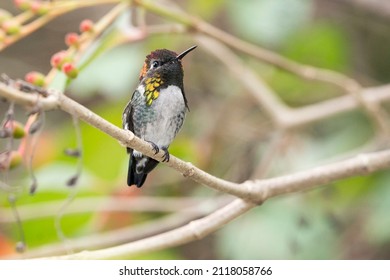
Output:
(139, 169)
(134, 178)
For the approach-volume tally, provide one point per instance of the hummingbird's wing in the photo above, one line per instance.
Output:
(127, 118)
(128, 124)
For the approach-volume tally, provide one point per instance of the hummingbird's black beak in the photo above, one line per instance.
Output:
(180, 56)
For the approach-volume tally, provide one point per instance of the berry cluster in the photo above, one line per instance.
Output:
(63, 60)
(35, 6)
(10, 25)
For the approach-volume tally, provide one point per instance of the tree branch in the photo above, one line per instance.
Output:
(194, 230)
(112, 204)
(132, 232)
(58, 8)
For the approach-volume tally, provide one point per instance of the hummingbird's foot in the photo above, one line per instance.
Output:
(155, 148)
(166, 155)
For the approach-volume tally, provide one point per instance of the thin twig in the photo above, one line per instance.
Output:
(62, 8)
(22, 239)
(40, 118)
(256, 87)
(88, 39)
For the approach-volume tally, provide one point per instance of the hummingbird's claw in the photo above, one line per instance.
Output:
(166, 155)
(155, 148)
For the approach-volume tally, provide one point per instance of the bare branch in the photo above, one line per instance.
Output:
(256, 87)
(130, 233)
(280, 113)
(325, 109)
(193, 231)
(110, 204)
(27, 100)
(58, 9)
(378, 7)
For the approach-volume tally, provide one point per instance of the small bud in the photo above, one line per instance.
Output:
(11, 27)
(4, 15)
(72, 39)
(39, 7)
(15, 159)
(16, 129)
(23, 4)
(86, 25)
(70, 70)
(35, 78)
(58, 59)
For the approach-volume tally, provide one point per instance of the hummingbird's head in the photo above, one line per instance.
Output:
(164, 62)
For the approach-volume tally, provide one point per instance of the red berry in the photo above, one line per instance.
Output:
(39, 7)
(72, 39)
(58, 59)
(70, 70)
(86, 25)
(35, 78)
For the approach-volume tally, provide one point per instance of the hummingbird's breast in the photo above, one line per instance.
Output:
(160, 120)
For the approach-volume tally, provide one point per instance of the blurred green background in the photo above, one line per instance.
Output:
(225, 133)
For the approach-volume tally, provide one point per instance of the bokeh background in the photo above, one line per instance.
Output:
(225, 133)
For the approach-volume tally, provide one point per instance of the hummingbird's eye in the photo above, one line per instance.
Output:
(155, 64)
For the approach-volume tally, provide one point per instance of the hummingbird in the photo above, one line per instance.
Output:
(156, 110)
